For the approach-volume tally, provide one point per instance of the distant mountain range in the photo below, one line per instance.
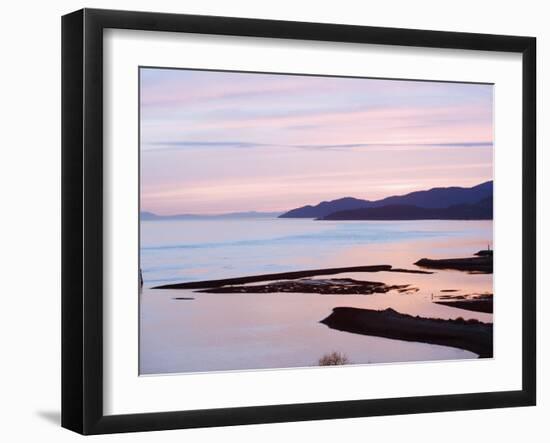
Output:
(452, 203)
(145, 215)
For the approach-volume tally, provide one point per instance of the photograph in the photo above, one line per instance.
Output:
(293, 220)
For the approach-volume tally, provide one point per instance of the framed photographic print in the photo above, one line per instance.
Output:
(269, 221)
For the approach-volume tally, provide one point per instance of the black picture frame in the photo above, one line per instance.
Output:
(82, 218)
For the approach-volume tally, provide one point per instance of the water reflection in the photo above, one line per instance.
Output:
(186, 331)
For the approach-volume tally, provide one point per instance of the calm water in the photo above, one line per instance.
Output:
(216, 332)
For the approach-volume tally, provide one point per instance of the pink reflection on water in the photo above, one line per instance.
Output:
(219, 332)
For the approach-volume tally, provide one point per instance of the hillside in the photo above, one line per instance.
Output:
(434, 198)
(482, 210)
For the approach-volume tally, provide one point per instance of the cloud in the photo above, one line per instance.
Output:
(174, 145)
(228, 140)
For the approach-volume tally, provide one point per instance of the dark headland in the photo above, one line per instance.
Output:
(451, 203)
(481, 262)
(476, 303)
(470, 335)
(482, 210)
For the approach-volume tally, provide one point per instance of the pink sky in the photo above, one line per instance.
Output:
(215, 142)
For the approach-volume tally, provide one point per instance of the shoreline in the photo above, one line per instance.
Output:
(471, 335)
(481, 262)
(485, 306)
(472, 302)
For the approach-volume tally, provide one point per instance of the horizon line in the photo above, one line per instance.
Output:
(282, 211)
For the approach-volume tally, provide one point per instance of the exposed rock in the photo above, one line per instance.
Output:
(315, 286)
(470, 335)
(483, 264)
(284, 276)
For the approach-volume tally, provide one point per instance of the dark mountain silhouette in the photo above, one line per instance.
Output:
(440, 197)
(435, 198)
(482, 210)
(326, 207)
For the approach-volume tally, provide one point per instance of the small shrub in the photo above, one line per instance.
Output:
(333, 359)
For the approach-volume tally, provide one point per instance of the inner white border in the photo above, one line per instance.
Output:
(125, 392)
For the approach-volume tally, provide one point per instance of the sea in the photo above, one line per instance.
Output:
(184, 331)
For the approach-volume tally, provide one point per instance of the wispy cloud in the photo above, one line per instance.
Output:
(221, 141)
(174, 145)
